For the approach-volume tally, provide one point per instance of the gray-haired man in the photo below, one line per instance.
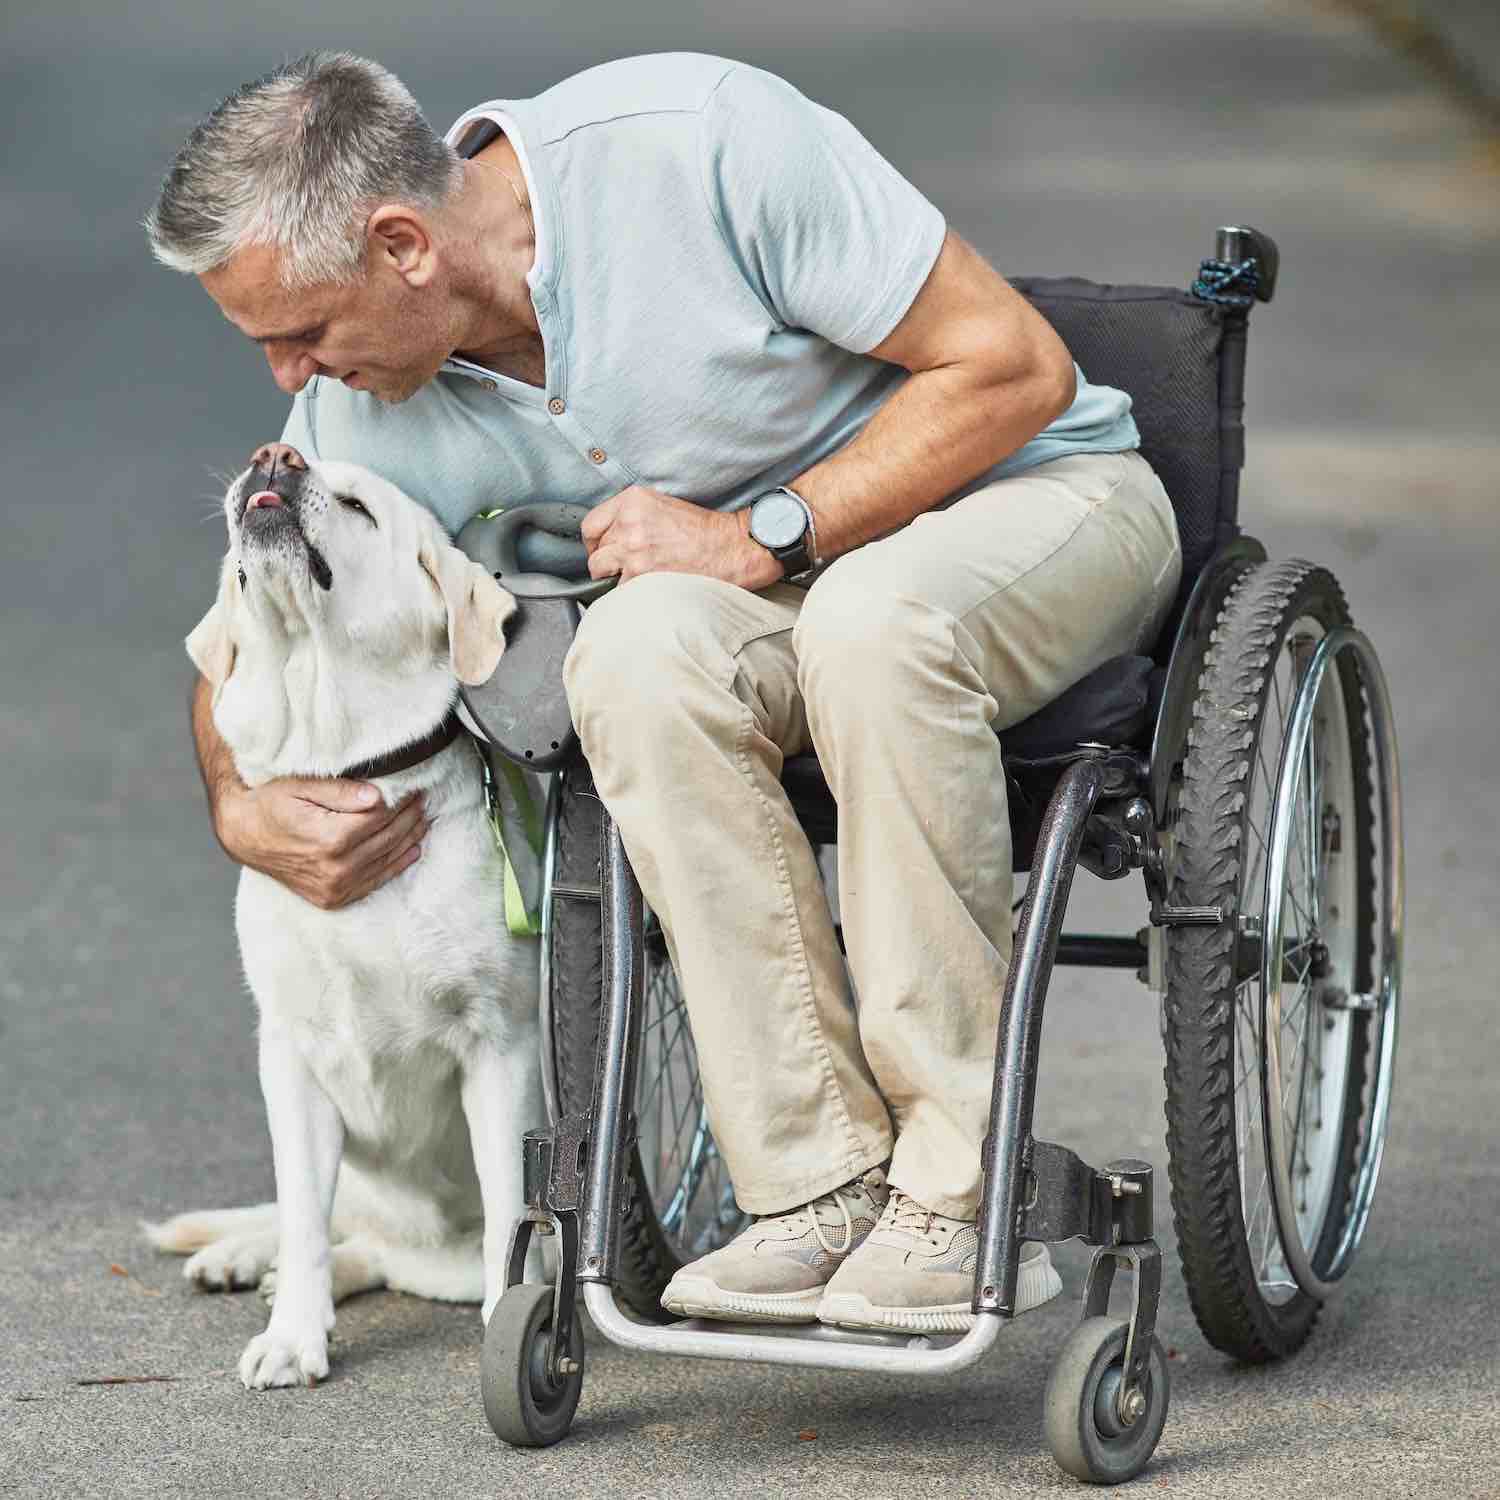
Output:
(676, 290)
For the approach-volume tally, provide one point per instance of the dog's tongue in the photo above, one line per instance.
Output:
(264, 497)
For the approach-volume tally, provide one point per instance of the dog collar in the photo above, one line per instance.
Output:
(407, 756)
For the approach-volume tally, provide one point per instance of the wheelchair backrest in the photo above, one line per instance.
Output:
(1165, 348)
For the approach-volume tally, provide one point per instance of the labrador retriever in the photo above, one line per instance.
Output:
(398, 1035)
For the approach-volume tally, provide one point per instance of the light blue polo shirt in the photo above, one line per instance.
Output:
(715, 257)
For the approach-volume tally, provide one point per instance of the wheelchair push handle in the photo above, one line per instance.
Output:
(497, 546)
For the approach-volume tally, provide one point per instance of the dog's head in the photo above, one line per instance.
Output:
(333, 550)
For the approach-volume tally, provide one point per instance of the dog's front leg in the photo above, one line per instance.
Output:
(502, 1098)
(307, 1140)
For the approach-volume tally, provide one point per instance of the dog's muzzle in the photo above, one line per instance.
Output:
(270, 505)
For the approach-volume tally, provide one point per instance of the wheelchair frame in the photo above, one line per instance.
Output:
(1104, 812)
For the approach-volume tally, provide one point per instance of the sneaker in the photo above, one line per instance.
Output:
(775, 1271)
(915, 1274)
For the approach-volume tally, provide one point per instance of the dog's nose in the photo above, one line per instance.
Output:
(278, 456)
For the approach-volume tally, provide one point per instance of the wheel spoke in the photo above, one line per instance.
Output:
(1276, 688)
(1304, 923)
(692, 1105)
(1263, 1215)
(1314, 847)
(1303, 991)
(1253, 875)
(666, 1148)
(660, 1019)
(1290, 1065)
(686, 1175)
(669, 1083)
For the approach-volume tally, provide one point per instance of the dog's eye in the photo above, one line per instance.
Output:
(350, 503)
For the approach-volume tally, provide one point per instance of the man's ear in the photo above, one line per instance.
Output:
(211, 645)
(477, 610)
(401, 238)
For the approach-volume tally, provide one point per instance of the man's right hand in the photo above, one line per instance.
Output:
(330, 841)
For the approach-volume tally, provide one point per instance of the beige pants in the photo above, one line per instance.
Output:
(898, 664)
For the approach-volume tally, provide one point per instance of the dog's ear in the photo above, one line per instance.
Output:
(211, 645)
(477, 610)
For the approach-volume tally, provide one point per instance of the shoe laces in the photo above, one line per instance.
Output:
(903, 1213)
(840, 1198)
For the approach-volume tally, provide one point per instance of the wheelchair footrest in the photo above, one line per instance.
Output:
(809, 1347)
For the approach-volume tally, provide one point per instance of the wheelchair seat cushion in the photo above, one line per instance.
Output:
(1111, 706)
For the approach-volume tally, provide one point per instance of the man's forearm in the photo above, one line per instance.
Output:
(215, 762)
(937, 432)
(987, 374)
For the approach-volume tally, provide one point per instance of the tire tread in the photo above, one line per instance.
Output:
(1208, 807)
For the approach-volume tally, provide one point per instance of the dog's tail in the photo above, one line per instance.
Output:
(186, 1233)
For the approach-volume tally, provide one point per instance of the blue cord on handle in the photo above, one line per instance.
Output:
(1221, 280)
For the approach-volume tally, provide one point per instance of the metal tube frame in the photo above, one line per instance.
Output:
(1020, 1034)
(1386, 995)
(1102, 951)
(1028, 1185)
(624, 937)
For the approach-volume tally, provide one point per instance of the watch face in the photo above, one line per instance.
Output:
(777, 520)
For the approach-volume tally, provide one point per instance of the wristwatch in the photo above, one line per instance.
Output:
(782, 522)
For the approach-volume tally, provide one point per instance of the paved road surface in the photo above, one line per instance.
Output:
(1077, 135)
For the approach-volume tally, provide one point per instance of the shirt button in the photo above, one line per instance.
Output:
(597, 455)
(557, 406)
(490, 385)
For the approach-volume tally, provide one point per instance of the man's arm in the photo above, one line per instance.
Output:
(329, 840)
(987, 374)
(215, 763)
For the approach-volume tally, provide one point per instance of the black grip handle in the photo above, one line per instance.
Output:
(495, 542)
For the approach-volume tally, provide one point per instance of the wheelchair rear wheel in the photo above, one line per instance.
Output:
(1223, 1080)
(682, 1203)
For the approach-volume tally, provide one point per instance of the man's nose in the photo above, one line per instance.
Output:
(292, 372)
(277, 456)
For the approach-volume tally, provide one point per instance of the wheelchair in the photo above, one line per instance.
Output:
(1247, 769)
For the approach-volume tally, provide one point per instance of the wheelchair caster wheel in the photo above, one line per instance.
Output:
(1089, 1433)
(525, 1405)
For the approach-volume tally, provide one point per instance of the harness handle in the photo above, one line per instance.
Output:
(492, 538)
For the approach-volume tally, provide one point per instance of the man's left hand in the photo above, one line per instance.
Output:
(642, 530)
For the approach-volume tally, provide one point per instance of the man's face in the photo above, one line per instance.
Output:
(372, 334)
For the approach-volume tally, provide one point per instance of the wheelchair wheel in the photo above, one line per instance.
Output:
(681, 1202)
(523, 1403)
(1086, 1430)
(1259, 1200)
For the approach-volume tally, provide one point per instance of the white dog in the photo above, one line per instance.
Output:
(398, 1035)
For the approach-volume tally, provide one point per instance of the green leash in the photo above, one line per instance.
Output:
(520, 920)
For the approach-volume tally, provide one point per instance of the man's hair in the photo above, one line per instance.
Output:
(297, 159)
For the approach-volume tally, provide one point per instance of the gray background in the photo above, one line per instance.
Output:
(1096, 137)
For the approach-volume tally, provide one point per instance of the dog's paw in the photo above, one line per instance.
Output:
(274, 1358)
(231, 1265)
(267, 1288)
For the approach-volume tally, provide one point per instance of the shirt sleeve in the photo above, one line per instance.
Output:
(828, 234)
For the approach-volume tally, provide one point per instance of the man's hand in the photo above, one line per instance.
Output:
(642, 530)
(330, 841)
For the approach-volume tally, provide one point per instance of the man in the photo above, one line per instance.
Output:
(859, 498)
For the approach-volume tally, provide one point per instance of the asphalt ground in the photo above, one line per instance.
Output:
(1080, 136)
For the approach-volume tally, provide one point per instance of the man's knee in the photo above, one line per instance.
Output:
(643, 646)
(864, 643)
